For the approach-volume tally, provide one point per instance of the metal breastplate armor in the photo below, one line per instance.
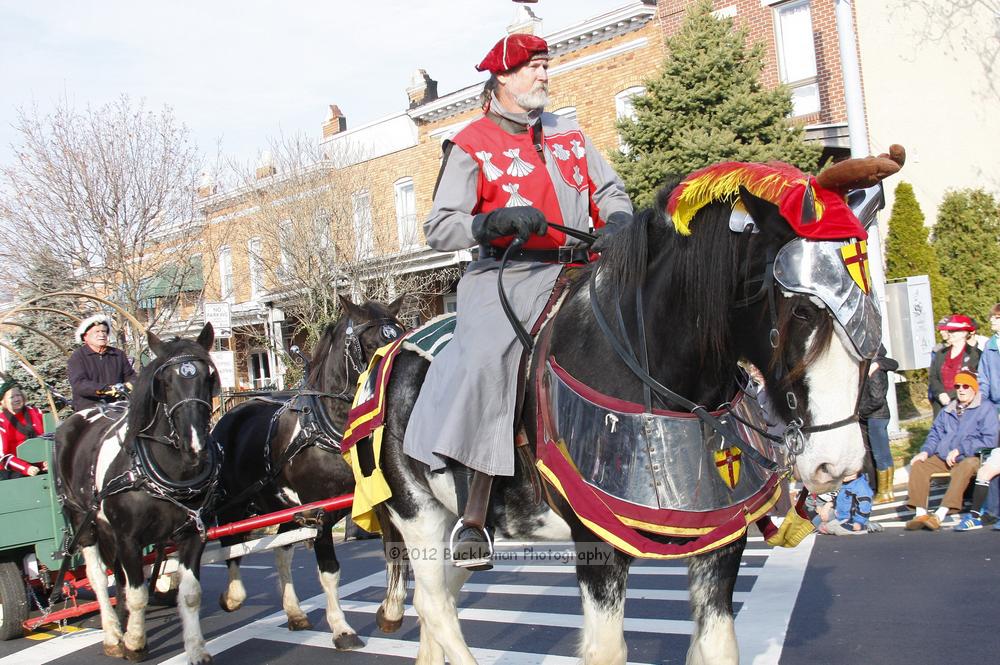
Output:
(662, 460)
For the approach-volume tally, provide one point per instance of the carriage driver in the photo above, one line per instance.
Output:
(98, 373)
(506, 174)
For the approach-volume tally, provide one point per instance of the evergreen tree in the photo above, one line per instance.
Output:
(907, 250)
(707, 105)
(45, 357)
(966, 241)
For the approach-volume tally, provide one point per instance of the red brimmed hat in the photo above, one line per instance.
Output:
(957, 323)
(512, 51)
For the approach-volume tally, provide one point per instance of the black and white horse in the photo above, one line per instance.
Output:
(141, 476)
(285, 451)
(700, 319)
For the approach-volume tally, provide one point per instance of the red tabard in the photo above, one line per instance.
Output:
(512, 173)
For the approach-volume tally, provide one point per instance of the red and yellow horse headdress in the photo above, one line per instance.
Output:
(813, 206)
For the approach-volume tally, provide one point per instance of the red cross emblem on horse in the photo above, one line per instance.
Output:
(856, 260)
(727, 463)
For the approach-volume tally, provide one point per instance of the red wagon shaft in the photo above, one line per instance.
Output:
(279, 517)
(76, 582)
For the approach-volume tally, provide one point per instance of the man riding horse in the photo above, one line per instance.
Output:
(505, 175)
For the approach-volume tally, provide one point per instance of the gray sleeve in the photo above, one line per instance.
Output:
(449, 226)
(608, 191)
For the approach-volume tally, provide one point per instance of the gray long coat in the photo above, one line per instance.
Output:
(465, 410)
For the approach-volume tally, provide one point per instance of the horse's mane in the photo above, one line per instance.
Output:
(322, 351)
(699, 268)
(142, 403)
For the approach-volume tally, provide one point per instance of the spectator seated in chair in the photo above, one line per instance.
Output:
(958, 432)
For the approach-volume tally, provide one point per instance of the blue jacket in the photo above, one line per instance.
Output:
(854, 502)
(977, 428)
(989, 372)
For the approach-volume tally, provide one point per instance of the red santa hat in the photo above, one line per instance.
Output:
(511, 52)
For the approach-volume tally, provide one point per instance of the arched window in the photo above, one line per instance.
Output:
(625, 109)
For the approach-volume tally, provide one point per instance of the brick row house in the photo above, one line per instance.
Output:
(377, 179)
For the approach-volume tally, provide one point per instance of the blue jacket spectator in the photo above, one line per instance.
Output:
(854, 503)
(976, 428)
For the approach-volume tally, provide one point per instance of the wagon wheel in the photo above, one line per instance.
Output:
(13, 601)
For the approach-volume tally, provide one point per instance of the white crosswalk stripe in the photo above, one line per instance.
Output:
(488, 603)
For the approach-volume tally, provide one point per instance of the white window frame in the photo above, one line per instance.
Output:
(406, 213)
(804, 85)
(255, 267)
(263, 359)
(568, 112)
(624, 109)
(226, 274)
(364, 241)
(449, 303)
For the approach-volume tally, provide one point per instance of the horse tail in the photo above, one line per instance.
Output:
(389, 616)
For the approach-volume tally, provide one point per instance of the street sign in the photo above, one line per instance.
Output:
(219, 315)
(225, 365)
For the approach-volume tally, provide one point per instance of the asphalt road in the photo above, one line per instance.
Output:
(914, 598)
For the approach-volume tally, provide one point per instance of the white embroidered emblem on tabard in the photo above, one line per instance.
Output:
(518, 167)
(577, 177)
(578, 150)
(560, 152)
(515, 198)
(489, 168)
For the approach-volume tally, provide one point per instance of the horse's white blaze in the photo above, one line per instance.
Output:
(603, 639)
(196, 444)
(289, 600)
(235, 593)
(188, 606)
(136, 598)
(833, 383)
(98, 579)
(334, 615)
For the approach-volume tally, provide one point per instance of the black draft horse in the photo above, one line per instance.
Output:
(285, 451)
(141, 476)
(699, 321)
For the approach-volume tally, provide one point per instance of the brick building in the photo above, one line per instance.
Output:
(385, 170)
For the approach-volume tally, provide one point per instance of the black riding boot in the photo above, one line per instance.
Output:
(471, 546)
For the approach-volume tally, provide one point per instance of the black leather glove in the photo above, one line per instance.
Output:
(617, 221)
(520, 221)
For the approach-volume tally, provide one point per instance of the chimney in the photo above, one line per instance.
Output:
(265, 165)
(422, 88)
(524, 22)
(206, 185)
(335, 122)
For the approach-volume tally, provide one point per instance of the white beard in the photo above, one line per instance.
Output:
(536, 99)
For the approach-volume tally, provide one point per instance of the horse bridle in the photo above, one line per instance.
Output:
(354, 352)
(794, 433)
(172, 439)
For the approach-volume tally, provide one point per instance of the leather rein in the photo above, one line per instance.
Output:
(793, 437)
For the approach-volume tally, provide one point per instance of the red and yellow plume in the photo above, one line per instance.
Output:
(772, 182)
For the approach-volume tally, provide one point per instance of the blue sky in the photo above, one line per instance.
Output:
(239, 72)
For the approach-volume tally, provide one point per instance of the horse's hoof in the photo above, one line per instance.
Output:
(204, 659)
(224, 604)
(300, 623)
(348, 642)
(136, 656)
(387, 625)
(114, 650)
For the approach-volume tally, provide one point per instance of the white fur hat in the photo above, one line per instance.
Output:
(90, 322)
